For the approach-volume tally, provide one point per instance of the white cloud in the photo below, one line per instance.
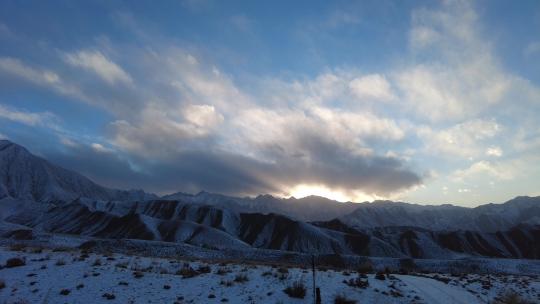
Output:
(284, 131)
(462, 78)
(494, 151)
(27, 118)
(444, 93)
(372, 87)
(478, 171)
(40, 77)
(17, 68)
(422, 36)
(96, 62)
(203, 116)
(159, 129)
(100, 148)
(466, 140)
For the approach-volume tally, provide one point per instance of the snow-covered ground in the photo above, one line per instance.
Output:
(73, 276)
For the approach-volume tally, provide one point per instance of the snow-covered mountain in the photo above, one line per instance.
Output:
(29, 177)
(37, 195)
(487, 218)
(216, 228)
(311, 208)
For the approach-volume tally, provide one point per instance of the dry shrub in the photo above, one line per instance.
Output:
(341, 299)
(15, 262)
(296, 290)
(241, 278)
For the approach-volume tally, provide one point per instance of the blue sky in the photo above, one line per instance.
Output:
(422, 101)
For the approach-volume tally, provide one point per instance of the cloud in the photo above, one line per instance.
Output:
(494, 151)
(480, 170)
(374, 87)
(96, 62)
(466, 140)
(160, 130)
(17, 68)
(41, 77)
(28, 118)
(462, 78)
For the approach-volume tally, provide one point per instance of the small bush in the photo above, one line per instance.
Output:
(226, 283)
(341, 299)
(358, 282)
(241, 278)
(2, 284)
(97, 262)
(296, 290)
(510, 297)
(15, 262)
(380, 276)
(108, 296)
(166, 286)
(138, 274)
(282, 270)
(83, 256)
(222, 271)
(65, 292)
(365, 267)
(204, 269)
(60, 262)
(187, 272)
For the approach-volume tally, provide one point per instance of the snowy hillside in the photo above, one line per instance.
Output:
(219, 228)
(80, 276)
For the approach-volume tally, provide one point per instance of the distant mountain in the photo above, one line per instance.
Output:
(487, 218)
(72, 204)
(311, 208)
(217, 228)
(28, 177)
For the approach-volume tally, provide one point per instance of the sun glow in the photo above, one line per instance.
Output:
(303, 190)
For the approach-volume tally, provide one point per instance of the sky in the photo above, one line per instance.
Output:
(420, 101)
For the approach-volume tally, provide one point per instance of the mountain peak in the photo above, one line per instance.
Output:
(26, 176)
(7, 144)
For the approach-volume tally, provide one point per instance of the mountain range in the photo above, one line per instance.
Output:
(36, 195)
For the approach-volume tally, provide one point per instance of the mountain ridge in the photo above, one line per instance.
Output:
(28, 177)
